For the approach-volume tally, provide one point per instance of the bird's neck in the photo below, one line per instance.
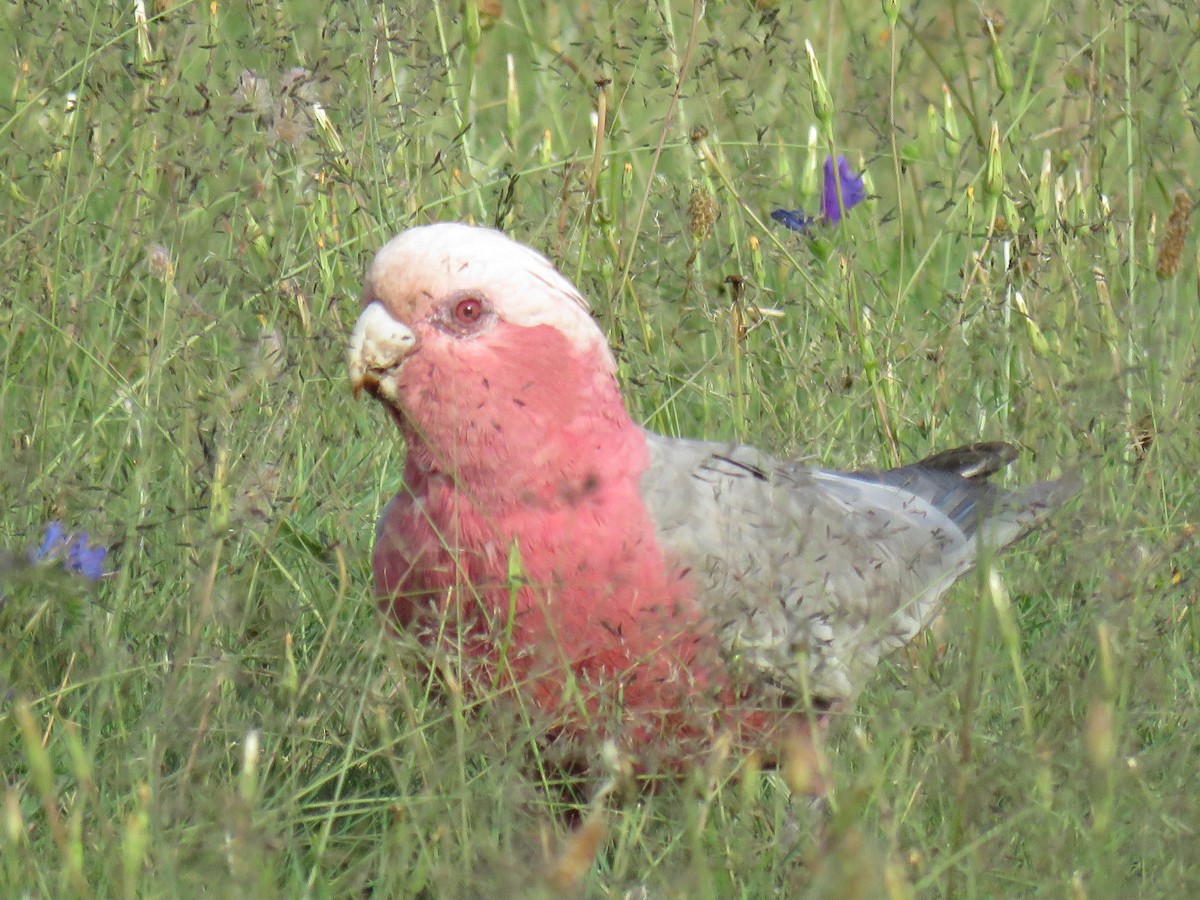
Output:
(541, 457)
(563, 471)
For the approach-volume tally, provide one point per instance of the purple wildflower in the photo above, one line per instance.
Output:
(838, 178)
(73, 551)
(852, 190)
(794, 219)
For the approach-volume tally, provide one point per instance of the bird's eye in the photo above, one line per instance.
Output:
(464, 314)
(468, 311)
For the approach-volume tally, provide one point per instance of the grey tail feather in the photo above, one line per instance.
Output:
(1016, 513)
(956, 482)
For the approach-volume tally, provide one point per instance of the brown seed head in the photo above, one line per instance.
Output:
(702, 211)
(1175, 235)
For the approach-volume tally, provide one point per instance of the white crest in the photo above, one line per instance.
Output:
(524, 287)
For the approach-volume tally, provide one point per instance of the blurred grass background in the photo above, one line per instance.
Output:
(191, 192)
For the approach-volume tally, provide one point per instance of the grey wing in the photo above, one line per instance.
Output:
(810, 576)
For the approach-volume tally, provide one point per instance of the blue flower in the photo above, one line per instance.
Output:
(794, 219)
(852, 190)
(73, 551)
(839, 179)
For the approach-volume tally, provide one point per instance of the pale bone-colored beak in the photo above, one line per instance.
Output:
(378, 346)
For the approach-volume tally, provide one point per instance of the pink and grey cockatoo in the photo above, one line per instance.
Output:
(655, 590)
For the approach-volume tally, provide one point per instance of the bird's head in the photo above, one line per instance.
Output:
(476, 343)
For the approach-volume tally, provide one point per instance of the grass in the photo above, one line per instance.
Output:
(191, 193)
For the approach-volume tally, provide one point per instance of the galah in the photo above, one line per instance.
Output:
(653, 590)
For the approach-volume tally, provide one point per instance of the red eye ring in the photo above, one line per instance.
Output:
(468, 310)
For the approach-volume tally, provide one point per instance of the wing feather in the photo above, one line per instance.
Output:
(809, 575)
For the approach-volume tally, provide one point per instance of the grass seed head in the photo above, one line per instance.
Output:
(1175, 236)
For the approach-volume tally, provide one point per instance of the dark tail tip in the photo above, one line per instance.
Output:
(974, 461)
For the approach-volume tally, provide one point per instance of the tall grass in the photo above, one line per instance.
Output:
(191, 193)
